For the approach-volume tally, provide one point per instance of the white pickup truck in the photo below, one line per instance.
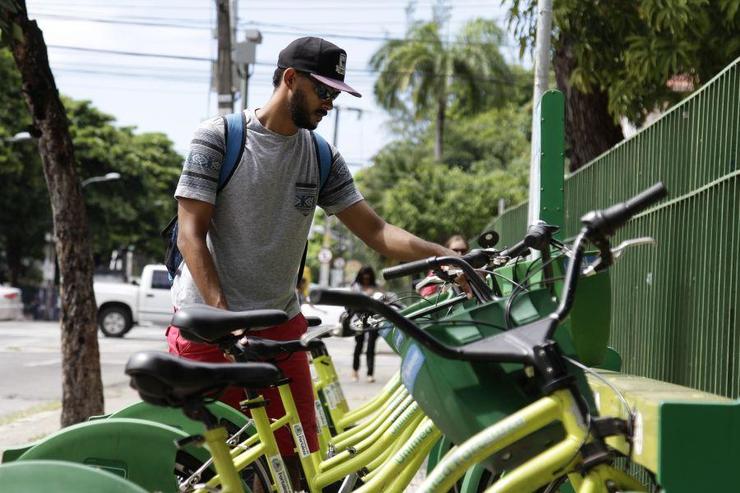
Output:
(122, 305)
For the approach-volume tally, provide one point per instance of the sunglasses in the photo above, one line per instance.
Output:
(322, 91)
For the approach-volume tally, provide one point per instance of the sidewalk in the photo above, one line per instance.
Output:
(36, 422)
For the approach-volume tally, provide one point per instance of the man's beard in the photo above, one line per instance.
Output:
(299, 112)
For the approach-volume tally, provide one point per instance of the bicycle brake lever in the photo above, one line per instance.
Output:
(316, 333)
(618, 251)
(642, 240)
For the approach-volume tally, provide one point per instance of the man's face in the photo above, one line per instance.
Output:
(306, 108)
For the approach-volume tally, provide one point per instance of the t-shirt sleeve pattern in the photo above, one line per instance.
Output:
(199, 178)
(339, 191)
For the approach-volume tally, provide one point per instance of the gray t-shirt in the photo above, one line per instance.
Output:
(263, 215)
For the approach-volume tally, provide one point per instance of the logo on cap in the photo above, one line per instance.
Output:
(342, 63)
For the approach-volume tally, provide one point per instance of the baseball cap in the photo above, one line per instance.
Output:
(324, 61)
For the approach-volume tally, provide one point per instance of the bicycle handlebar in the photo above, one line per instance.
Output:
(410, 268)
(475, 258)
(518, 249)
(607, 221)
(477, 285)
(516, 345)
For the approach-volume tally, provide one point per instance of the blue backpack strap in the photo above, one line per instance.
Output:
(235, 138)
(324, 152)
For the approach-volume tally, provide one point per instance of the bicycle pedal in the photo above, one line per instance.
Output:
(197, 440)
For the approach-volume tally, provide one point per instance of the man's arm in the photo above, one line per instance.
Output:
(193, 217)
(386, 239)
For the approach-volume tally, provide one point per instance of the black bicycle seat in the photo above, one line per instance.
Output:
(167, 380)
(203, 323)
(265, 349)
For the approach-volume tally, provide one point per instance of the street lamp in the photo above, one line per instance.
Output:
(19, 137)
(96, 179)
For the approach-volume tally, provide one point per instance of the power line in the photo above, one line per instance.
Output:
(268, 64)
(132, 53)
(298, 30)
(171, 78)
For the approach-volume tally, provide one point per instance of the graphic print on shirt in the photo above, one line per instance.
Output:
(305, 198)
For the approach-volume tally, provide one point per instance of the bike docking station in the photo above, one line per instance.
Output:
(513, 390)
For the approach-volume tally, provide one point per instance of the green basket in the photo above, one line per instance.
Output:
(463, 398)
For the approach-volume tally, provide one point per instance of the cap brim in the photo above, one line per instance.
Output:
(336, 84)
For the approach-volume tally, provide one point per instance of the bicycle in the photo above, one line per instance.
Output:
(367, 449)
(581, 456)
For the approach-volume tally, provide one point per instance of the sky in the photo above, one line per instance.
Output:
(171, 93)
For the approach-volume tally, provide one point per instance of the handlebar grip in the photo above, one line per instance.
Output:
(539, 235)
(410, 268)
(612, 218)
(645, 199)
(338, 298)
(516, 250)
(476, 258)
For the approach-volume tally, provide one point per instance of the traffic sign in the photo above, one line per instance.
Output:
(325, 255)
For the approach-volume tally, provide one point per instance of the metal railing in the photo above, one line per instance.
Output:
(675, 305)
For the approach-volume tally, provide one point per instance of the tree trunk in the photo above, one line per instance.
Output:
(82, 389)
(13, 254)
(439, 131)
(589, 128)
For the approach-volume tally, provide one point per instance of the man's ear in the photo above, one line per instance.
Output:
(289, 77)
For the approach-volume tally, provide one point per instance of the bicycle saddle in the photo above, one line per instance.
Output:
(258, 348)
(166, 380)
(203, 323)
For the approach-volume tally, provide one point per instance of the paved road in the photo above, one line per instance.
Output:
(30, 361)
(30, 374)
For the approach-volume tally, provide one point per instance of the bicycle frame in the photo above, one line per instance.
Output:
(560, 459)
(373, 449)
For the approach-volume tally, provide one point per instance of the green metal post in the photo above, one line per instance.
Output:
(552, 158)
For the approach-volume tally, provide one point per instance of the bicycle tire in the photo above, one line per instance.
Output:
(256, 473)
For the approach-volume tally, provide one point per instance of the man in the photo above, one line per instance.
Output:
(242, 248)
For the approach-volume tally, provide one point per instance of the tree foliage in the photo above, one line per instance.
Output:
(24, 204)
(631, 50)
(131, 211)
(422, 75)
(487, 160)
(128, 212)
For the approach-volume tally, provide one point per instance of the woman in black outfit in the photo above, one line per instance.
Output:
(365, 283)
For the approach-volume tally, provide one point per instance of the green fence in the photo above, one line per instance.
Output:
(674, 305)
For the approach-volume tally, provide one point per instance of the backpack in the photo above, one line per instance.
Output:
(236, 136)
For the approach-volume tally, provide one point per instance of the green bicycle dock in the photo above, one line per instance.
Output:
(688, 438)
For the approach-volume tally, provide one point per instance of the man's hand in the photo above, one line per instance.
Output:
(462, 281)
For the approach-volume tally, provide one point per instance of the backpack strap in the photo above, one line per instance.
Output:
(235, 136)
(323, 151)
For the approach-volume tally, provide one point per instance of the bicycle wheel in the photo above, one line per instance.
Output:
(255, 477)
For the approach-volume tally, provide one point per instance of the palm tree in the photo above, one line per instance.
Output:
(433, 75)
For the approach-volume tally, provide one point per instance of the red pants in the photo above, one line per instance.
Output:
(295, 368)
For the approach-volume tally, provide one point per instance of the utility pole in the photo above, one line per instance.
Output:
(224, 84)
(325, 269)
(541, 70)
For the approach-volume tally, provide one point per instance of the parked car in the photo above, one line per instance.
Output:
(329, 314)
(121, 305)
(11, 306)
